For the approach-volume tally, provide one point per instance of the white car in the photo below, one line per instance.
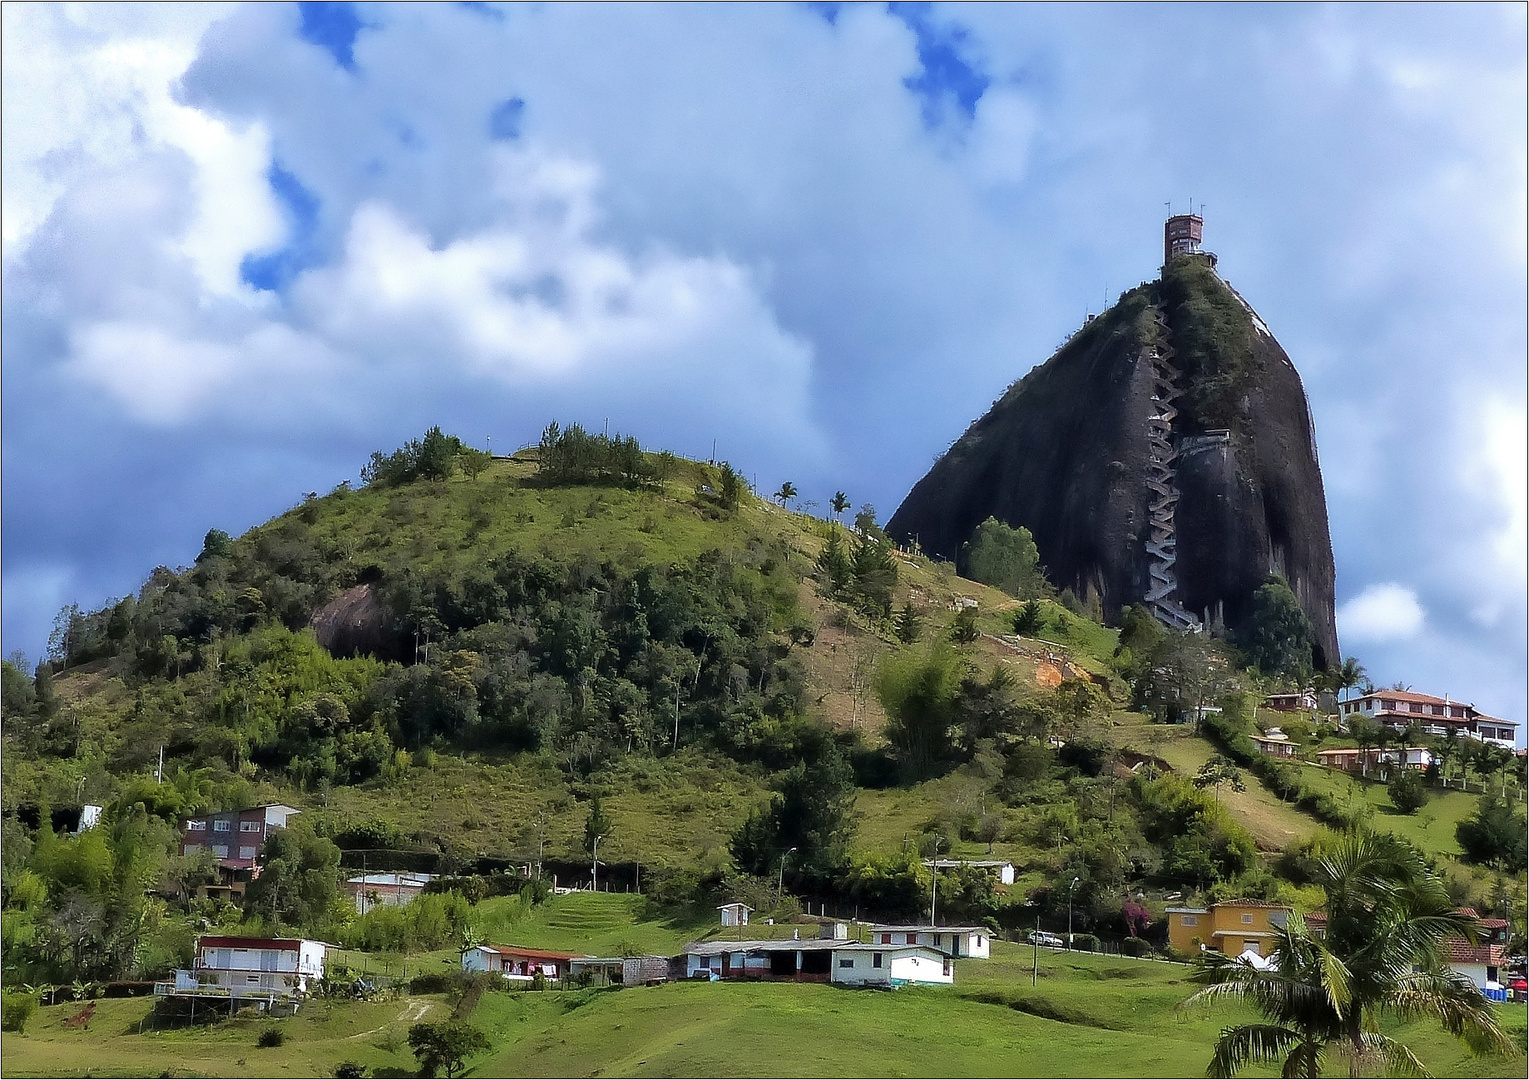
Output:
(1040, 937)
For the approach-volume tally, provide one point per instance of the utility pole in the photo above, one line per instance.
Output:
(1035, 955)
(159, 773)
(1070, 888)
(934, 876)
(594, 878)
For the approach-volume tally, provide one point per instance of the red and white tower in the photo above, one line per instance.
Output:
(1182, 234)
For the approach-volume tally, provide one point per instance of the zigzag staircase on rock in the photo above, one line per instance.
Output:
(1162, 599)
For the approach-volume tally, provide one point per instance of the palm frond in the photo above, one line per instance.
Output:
(1398, 1060)
(1454, 1001)
(1249, 1044)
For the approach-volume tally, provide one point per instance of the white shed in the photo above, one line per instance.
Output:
(735, 914)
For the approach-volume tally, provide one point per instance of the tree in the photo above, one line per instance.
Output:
(812, 812)
(1407, 791)
(963, 630)
(919, 691)
(445, 1045)
(909, 625)
(1277, 635)
(1494, 835)
(1348, 675)
(1004, 558)
(301, 879)
(1029, 619)
(1388, 918)
(597, 824)
(786, 493)
(1219, 770)
(473, 461)
(865, 522)
(838, 504)
(731, 487)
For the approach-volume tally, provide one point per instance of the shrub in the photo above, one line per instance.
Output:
(271, 1037)
(445, 1046)
(15, 1011)
(1085, 943)
(1135, 946)
(349, 1070)
(1407, 791)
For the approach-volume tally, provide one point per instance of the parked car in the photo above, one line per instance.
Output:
(1040, 937)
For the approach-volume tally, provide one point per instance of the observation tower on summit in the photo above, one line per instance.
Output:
(1181, 236)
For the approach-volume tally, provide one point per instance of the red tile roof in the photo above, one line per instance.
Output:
(531, 954)
(211, 942)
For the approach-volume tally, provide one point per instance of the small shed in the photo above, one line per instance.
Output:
(735, 914)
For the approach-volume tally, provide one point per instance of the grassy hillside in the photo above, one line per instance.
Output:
(1088, 1016)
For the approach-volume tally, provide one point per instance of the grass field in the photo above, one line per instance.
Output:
(1432, 828)
(1087, 1016)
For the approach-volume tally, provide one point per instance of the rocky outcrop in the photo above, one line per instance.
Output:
(356, 624)
(1068, 452)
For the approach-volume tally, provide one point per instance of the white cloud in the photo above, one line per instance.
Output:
(1385, 612)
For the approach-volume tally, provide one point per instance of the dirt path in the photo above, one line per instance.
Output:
(414, 1010)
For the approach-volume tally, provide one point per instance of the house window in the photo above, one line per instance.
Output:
(249, 826)
(220, 850)
(1491, 974)
(1248, 919)
(947, 966)
(222, 826)
(1387, 704)
(886, 939)
(875, 960)
(252, 980)
(246, 853)
(979, 941)
(849, 963)
(1190, 920)
(196, 826)
(912, 939)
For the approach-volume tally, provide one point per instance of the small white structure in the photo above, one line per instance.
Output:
(262, 971)
(735, 914)
(392, 889)
(1002, 867)
(906, 965)
(90, 816)
(957, 941)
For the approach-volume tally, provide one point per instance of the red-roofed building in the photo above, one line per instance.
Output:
(519, 963)
(1482, 963)
(1400, 709)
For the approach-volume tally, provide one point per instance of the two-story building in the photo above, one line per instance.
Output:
(1401, 709)
(271, 973)
(234, 838)
(1232, 927)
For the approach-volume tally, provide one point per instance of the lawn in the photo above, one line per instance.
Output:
(1432, 828)
(1086, 1016)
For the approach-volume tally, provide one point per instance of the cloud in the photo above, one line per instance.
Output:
(1385, 612)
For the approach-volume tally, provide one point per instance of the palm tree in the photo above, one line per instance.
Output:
(839, 504)
(1388, 917)
(1348, 675)
(786, 493)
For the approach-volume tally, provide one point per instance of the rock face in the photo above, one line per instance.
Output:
(356, 624)
(1066, 453)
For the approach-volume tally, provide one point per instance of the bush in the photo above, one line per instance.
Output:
(271, 1037)
(15, 1011)
(349, 1070)
(1494, 835)
(1135, 946)
(1407, 791)
(1085, 943)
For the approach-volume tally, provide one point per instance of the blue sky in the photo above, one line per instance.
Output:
(246, 246)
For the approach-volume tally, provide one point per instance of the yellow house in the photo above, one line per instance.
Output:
(1232, 927)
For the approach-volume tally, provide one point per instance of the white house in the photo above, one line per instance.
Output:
(958, 941)
(262, 971)
(735, 914)
(858, 964)
(851, 963)
(1482, 963)
(1001, 867)
(1400, 709)
(371, 890)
